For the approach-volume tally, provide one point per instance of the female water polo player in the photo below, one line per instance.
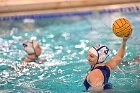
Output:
(97, 78)
(33, 49)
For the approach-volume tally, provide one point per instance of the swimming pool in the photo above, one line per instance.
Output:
(65, 41)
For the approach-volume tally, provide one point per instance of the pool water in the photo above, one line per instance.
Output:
(65, 41)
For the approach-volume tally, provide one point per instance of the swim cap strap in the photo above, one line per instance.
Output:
(33, 47)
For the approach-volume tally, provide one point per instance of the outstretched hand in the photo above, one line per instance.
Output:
(127, 37)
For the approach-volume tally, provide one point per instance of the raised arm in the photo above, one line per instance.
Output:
(112, 63)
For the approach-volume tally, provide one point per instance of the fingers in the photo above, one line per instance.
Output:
(129, 34)
(125, 38)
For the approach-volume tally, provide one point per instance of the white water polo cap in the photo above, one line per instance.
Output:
(29, 46)
(101, 51)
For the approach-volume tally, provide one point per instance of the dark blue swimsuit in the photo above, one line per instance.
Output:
(106, 73)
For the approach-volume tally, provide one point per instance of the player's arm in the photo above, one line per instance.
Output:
(112, 63)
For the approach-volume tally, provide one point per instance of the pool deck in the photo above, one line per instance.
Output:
(20, 7)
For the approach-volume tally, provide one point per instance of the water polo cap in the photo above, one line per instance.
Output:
(100, 51)
(29, 46)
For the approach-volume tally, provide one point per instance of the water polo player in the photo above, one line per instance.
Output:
(33, 49)
(97, 78)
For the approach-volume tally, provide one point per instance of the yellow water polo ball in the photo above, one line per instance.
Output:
(122, 27)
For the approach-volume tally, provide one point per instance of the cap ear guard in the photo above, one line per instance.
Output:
(102, 52)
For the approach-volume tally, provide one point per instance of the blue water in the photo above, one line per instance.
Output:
(65, 41)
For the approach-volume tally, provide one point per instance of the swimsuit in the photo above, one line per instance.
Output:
(106, 73)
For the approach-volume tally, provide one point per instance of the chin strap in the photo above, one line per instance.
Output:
(92, 67)
(34, 48)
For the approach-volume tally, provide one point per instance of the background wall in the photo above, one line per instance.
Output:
(12, 6)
